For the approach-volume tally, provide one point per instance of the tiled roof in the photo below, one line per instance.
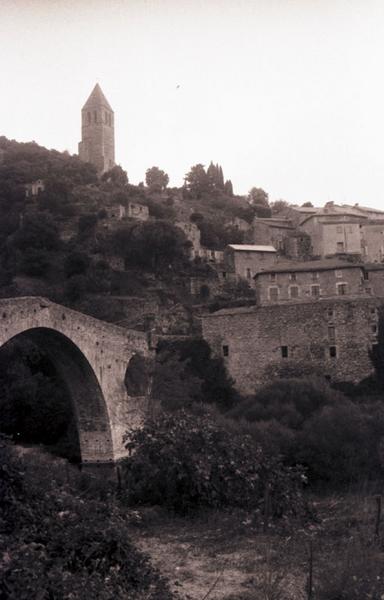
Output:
(311, 265)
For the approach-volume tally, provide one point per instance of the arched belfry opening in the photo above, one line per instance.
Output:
(58, 355)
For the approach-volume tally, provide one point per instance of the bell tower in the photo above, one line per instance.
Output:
(97, 144)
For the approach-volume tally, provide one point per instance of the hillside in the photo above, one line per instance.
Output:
(108, 248)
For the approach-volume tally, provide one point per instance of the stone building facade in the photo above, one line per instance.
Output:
(310, 280)
(245, 260)
(333, 233)
(34, 188)
(334, 335)
(97, 144)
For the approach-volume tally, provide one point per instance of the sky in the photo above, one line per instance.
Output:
(287, 95)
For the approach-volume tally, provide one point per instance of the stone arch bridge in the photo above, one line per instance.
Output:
(91, 357)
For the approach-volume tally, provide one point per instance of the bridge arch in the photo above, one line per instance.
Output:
(88, 403)
(91, 357)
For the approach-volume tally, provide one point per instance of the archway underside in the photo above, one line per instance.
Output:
(78, 377)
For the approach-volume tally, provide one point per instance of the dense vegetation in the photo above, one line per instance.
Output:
(60, 541)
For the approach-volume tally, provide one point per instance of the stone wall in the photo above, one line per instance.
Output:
(311, 284)
(258, 341)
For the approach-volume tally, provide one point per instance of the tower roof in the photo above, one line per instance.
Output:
(97, 98)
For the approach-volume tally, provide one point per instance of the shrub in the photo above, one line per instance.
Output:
(186, 373)
(186, 461)
(63, 547)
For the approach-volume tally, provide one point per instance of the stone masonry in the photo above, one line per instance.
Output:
(93, 358)
(333, 335)
(97, 144)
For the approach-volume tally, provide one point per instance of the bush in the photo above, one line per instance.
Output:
(186, 462)
(63, 547)
(338, 440)
(339, 444)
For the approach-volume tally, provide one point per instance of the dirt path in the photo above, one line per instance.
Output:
(226, 557)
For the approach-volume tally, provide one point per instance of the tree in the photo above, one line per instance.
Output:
(278, 205)
(197, 181)
(228, 188)
(156, 179)
(38, 231)
(307, 205)
(215, 176)
(258, 196)
(150, 244)
(116, 176)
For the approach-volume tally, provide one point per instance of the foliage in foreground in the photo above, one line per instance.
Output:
(186, 461)
(55, 545)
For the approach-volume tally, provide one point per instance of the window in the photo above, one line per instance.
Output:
(284, 351)
(338, 274)
(89, 118)
(225, 350)
(332, 351)
(342, 289)
(224, 274)
(330, 313)
(293, 291)
(94, 116)
(331, 333)
(365, 275)
(292, 276)
(374, 328)
(273, 293)
(339, 229)
(368, 290)
(272, 276)
(315, 275)
(315, 291)
(248, 273)
(340, 246)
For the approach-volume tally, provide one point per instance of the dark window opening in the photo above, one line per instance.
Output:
(225, 350)
(331, 333)
(342, 289)
(366, 275)
(89, 118)
(284, 351)
(332, 351)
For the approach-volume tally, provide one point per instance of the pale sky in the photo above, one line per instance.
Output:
(287, 95)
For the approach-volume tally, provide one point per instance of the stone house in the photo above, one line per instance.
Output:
(34, 188)
(271, 231)
(373, 275)
(209, 255)
(116, 212)
(245, 260)
(332, 335)
(312, 280)
(192, 233)
(372, 240)
(333, 233)
(137, 211)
